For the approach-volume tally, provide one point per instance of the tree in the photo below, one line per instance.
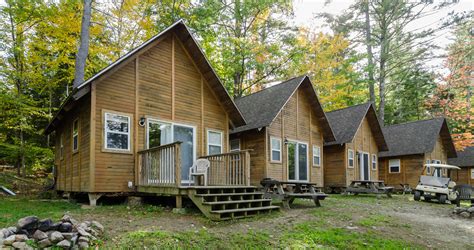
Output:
(83, 50)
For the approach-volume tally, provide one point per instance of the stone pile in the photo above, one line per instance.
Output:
(466, 212)
(31, 232)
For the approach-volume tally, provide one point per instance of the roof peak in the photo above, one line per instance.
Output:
(283, 82)
(353, 106)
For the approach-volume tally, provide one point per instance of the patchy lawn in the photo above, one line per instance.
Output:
(344, 222)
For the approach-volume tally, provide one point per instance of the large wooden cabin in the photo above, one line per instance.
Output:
(140, 123)
(464, 160)
(285, 123)
(411, 145)
(353, 156)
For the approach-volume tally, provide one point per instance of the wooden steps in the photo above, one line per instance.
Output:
(225, 203)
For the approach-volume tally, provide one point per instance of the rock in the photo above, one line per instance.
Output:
(21, 237)
(23, 231)
(56, 237)
(465, 214)
(44, 243)
(9, 240)
(88, 223)
(470, 210)
(20, 245)
(94, 232)
(45, 225)
(458, 210)
(83, 239)
(39, 235)
(28, 223)
(68, 236)
(64, 244)
(83, 245)
(54, 226)
(98, 226)
(13, 230)
(65, 227)
(83, 232)
(66, 218)
(74, 239)
(4, 233)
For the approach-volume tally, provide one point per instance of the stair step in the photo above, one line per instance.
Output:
(233, 202)
(245, 209)
(228, 194)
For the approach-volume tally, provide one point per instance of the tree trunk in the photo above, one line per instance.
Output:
(384, 44)
(370, 55)
(238, 74)
(84, 45)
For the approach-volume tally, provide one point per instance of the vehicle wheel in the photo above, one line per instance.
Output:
(417, 195)
(427, 198)
(442, 199)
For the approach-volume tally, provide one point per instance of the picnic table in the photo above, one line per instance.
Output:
(369, 187)
(288, 191)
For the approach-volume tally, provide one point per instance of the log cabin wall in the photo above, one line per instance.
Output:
(463, 176)
(363, 141)
(295, 122)
(410, 170)
(162, 83)
(438, 154)
(335, 164)
(255, 141)
(72, 168)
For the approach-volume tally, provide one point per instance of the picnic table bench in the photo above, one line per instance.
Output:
(369, 187)
(288, 191)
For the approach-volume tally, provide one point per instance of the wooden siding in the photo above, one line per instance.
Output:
(162, 83)
(254, 140)
(463, 176)
(438, 153)
(335, 158)
(73, 168)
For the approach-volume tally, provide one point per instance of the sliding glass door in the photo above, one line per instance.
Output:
(297, 161)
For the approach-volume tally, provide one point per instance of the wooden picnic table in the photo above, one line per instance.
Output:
(369, 187)
(288, 191)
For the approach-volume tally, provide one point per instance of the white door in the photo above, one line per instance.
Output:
(297, 161)
(364, 166)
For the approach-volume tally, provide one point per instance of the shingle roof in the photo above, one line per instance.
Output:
(345, 123)
(260, 109)
(465, 158)
(417, 137)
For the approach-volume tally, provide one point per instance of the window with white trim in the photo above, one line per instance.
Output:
(428, 168)
(61, 147)
(234, 145)
(117, 132)
(316, 156)
(472, 173)
(394, 166)
(214, 142)
(275, 147)
(350, 158)
(75, 135)
(374, 162)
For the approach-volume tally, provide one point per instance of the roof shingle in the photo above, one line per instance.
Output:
(465, 158)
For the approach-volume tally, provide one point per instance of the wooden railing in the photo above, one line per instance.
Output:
(229, 169)
(160, 166)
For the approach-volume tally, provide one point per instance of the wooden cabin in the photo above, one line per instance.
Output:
(411, 145)
(464, 160)
(285, 131)
(353, 155)
(138, 126)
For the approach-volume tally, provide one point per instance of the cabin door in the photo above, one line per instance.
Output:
(297, 161)
(364, 166)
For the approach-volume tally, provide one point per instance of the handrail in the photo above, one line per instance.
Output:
(159, 147)
(229, 153)
(229, 169)
(161, 165)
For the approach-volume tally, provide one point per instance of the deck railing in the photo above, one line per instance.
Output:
(229, 169)
(160, 166)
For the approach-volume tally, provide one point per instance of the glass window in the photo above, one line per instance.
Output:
(350, 158)
(159, 133)
(214, 142)
(234, 145)
(75, 135)
(472, 173)
(275, 149)
(394, 165)
(374, 162)
(428, 168)
(117, 132)
(316, 156)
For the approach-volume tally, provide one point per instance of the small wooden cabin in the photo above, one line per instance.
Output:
(353, 155)
(285, 131)
(464, 160)
(411, 145)
(140, 123)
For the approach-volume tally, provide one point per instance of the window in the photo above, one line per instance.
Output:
(214, 142)
(275, 149)
(61, 147)
(394, 166)
(316, 156)
(472, 173)
(374, 162)
(234, 145)
(159, 133)
(350, 158)
(117, 132)
(75, 135)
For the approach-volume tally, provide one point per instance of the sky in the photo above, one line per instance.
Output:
(305, 11)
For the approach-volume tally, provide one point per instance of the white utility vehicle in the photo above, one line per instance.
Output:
(434, 186)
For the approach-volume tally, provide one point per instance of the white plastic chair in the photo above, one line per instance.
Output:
(199, 168)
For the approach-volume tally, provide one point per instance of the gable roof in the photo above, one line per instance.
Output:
(182, 32)
(345, 123)
(262, 107)
(465, 158)
(417, 137)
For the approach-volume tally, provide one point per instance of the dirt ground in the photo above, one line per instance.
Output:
(427, 224)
